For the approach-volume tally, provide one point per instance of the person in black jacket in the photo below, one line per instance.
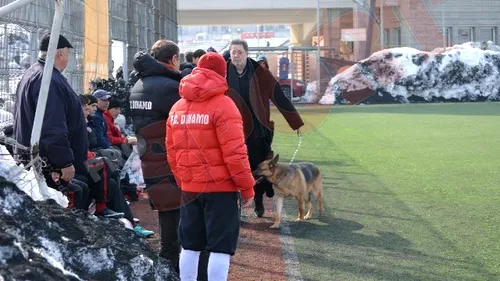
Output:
(92, 136)
(151, 98)
(63, 140)
(195, 57)
(188, 63)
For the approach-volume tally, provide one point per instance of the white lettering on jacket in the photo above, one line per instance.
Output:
(141, 104)
(187, 119)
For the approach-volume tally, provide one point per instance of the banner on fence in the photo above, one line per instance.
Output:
(96, 45)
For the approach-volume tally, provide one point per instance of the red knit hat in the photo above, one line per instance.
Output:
(213, 61)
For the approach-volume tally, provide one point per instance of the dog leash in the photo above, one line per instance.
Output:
(297, 149)
(291, 160)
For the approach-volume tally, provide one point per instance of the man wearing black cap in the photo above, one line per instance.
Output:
(63, 140)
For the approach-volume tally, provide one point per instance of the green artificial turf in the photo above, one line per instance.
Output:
(412, 192)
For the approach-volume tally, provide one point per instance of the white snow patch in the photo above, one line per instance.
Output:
(141, 266)
(11, 202)
(20, 247)
(6, 253)
(96, 260)
(51, 252)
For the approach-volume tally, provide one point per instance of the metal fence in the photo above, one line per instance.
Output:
(134, 23)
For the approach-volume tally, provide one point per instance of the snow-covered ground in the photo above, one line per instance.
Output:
(466, 72)
(44, 241)
(27, 181)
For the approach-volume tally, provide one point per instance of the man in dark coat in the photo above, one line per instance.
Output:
(195, 57)
(151, 98)
(188, 63)
(251, 88)
(63, 140)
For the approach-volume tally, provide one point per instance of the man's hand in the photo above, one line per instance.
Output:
(247, 202)
(67, 173)
(132, 140)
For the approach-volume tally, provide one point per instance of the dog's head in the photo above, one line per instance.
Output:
(268, 167)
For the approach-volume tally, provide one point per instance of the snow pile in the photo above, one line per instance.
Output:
(26, 180)
(485, 45)
(327, 99)
(314, 96)
(460, 73)
(312, 93)
(43, 241)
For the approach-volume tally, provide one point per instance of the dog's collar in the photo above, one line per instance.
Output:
(281, 178)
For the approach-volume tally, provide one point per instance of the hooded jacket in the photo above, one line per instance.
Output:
(205, 140)
(151, 98)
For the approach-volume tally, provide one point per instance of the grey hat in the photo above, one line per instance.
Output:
(261, 58)
(101, 94)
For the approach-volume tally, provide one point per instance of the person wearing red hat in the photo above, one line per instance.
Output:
(207, 153)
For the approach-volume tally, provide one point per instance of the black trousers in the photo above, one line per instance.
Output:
(258, 149)
(104, 184)
(210, 221)
(76, 191)
(170, 248)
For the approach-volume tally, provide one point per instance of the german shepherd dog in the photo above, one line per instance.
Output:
(299, 181)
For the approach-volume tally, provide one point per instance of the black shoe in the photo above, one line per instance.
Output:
(259, 210)
(270, 192)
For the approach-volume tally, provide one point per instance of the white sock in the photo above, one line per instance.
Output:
(218, 267)
(188, 265)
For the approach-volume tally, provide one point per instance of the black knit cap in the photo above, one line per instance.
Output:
(92, 99)
(114, 103)
(63, 43)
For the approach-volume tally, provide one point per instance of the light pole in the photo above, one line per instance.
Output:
(442, 23)
(382, 25)
(318, 29)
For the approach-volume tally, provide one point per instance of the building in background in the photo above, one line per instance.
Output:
(98, 30)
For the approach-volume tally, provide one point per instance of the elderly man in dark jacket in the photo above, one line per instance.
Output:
(63, 140)
(251, 88)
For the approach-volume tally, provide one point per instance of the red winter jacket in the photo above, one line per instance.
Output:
(114, 134)
(205, 141)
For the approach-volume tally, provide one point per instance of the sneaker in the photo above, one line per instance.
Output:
(108, 213)
(143, 232)
(136, 220)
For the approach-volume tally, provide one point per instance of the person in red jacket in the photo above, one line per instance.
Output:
(207, 154)
(115, 136)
